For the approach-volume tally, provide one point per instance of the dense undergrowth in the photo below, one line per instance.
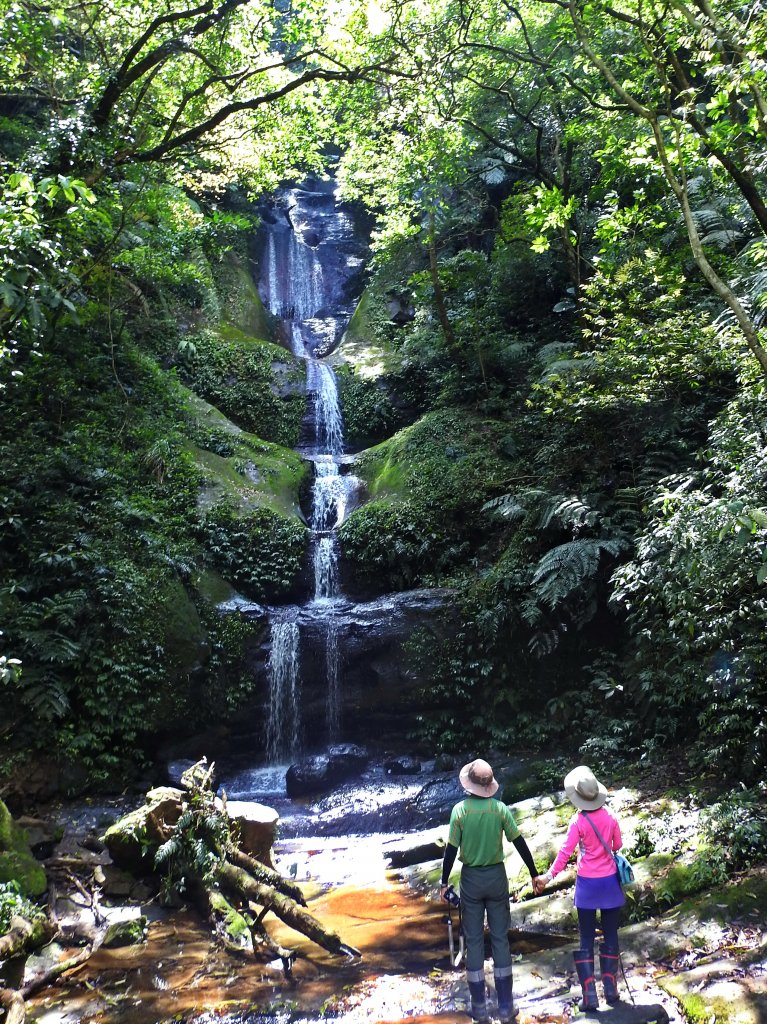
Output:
(130, 508)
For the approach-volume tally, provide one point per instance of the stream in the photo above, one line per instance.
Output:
(336, 846)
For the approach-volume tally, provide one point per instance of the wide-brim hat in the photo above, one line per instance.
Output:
(584, 790)
(477, 778)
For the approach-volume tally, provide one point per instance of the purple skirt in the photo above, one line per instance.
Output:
(598, 893)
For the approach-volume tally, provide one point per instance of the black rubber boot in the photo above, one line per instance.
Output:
(478, 1001)
(609, 963)
(503, 990)
(584, 965)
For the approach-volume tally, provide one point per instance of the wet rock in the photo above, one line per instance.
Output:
(131, 932)
(319, 773)
(42, 836)
(444, 763)
(404, 765)
(116, 883)
(400, 309)
(351, 754)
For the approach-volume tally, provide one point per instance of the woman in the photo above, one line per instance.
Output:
(597, 888)
(477, 827)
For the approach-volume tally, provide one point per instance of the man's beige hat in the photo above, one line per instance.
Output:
(477, 778)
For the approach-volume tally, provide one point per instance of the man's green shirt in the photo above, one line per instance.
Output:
(477, 827)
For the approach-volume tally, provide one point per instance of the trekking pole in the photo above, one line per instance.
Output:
(625, 979)
(452, 899)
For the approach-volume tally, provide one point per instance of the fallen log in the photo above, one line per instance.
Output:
(55, 972)
(191, 839)
(23, 936)
(243, 886)
(264, 874)
(13, 1004)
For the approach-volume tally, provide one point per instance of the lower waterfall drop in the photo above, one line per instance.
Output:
(283, 730)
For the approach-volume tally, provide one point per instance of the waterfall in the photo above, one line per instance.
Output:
(333, 672)
(306, 268)
(330, 424)
(283, 732)
(325, 568)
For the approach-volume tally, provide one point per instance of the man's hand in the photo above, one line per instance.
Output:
(539, 884)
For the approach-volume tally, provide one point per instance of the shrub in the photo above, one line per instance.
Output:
(258, 550)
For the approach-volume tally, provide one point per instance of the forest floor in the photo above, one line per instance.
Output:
(703, 960)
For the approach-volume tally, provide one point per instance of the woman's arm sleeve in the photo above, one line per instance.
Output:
(524, 852)
(448, 860)
(566, 850)
(617, 837)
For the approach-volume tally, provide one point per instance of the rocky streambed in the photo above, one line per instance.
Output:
(701, 958)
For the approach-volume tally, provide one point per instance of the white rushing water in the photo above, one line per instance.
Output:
(283, 732)
(304, 281)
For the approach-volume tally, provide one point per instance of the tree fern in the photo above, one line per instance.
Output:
(567, 567)
(572, 513)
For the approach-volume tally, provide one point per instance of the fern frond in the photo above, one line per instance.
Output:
(516, 506)
(708, 219)
(572, 513)
(506, 506)
(723, 238)
(571, 566)
(544, 642)
(555, 350)
(562, 367)
(166, 852)
(45, 697)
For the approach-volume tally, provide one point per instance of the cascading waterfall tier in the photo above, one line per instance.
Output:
(310, 257)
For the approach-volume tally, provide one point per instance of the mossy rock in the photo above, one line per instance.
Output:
(359, 347)
(17, 863)
(212, 587)
(724, 990)
(246, 309)
(244, 468)
(185, 643)
(130, 932)
(126, 839)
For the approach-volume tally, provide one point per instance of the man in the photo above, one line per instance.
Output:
(477, 827)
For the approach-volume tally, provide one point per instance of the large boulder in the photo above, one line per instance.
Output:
(17, 864)
(323, 771)
(126, 839)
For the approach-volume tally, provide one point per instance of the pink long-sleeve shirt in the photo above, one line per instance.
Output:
(593, 860)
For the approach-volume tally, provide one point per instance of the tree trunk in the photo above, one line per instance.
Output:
(13, 1004)
(439, 295)
(264, 874)
(242, 885)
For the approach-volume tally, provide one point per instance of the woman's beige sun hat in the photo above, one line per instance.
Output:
(583, 790)
(477, 778)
